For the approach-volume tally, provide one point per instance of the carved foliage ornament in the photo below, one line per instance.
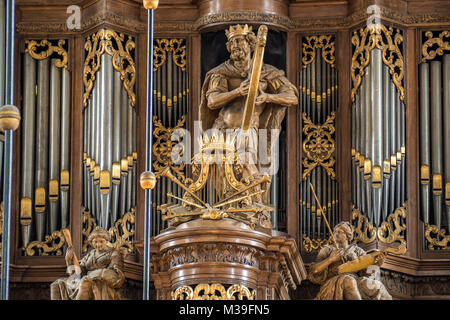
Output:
(440, 239)
(163, 147)
(323, 42)
(52, 244)
(215, 291)
(163, 46)
(428, 53)
(319, 145)
(37, 51)
(311, 245)
(383, 38)
(390, 231)
(108, 41)
(121, 233)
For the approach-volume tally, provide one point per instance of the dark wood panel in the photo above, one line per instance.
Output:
(279, 7)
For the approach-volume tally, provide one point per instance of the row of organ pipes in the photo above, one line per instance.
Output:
(318, 99)
(434, 84)
(45, 129)
(170, 104)
(109, 148)
(378, 143)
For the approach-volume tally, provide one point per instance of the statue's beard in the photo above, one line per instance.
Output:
(238, 55)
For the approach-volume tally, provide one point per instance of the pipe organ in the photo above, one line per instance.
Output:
(378, 130)
(110, 131)
(45, 163)
(318, 102)
(171, 104)
(434, 84)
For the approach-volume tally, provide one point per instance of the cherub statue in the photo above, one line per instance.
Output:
(335, 270)
(97, 276)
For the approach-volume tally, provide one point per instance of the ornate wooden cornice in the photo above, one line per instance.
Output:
(94, 21)
(281, 22)
(243, 17)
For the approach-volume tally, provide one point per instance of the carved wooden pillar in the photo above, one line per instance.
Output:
(204, 259)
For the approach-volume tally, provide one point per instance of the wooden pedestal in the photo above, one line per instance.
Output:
(225, 257)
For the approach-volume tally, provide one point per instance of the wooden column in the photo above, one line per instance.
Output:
(292, 142)
(413, 223)
(343, 124)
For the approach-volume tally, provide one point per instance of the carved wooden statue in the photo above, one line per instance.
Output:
(343, 271)
(97, 276)
(244, 92)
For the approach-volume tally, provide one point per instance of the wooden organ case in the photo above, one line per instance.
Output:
(379, 98)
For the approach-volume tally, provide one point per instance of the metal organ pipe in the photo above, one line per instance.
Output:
(54, 144)
(425, 140)
(28, 142)
(41, 177)
(106, 140)
(386, 166)
(446, 131)
(116, 147)
(377, 129)
(436, 139)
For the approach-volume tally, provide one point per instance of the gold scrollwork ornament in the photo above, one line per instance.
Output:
(323, 42)
(163, 46)
(52, 244)
(108, 41)
(319, 145)
(364, 231)
(365, 41)
(440, 240)
(311, 245)
(391, 230)
(33, 47)
(427, 53)
(163, 147)
(215, 291)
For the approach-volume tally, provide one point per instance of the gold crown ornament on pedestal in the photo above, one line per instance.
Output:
(237, 30)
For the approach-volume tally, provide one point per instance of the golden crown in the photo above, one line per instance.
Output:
(237, 30)
(217, 142)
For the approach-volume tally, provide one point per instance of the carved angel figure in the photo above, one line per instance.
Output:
(345, 286)
(99, 275)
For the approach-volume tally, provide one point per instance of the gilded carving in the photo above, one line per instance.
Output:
(89, 225)
(364, 231)
(163, 147)
(176, 46)
(311, 245)
(436, 238)
(215, 291)
(428, 53)
(318, 145)
(121, 233)
(391, 230)
(112, 43)
(33, 47)
(52, 244)
(383, 38)
(323, 42)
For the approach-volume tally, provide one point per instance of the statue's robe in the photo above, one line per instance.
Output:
(220, 80)
(333, 285)
(99, 278)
